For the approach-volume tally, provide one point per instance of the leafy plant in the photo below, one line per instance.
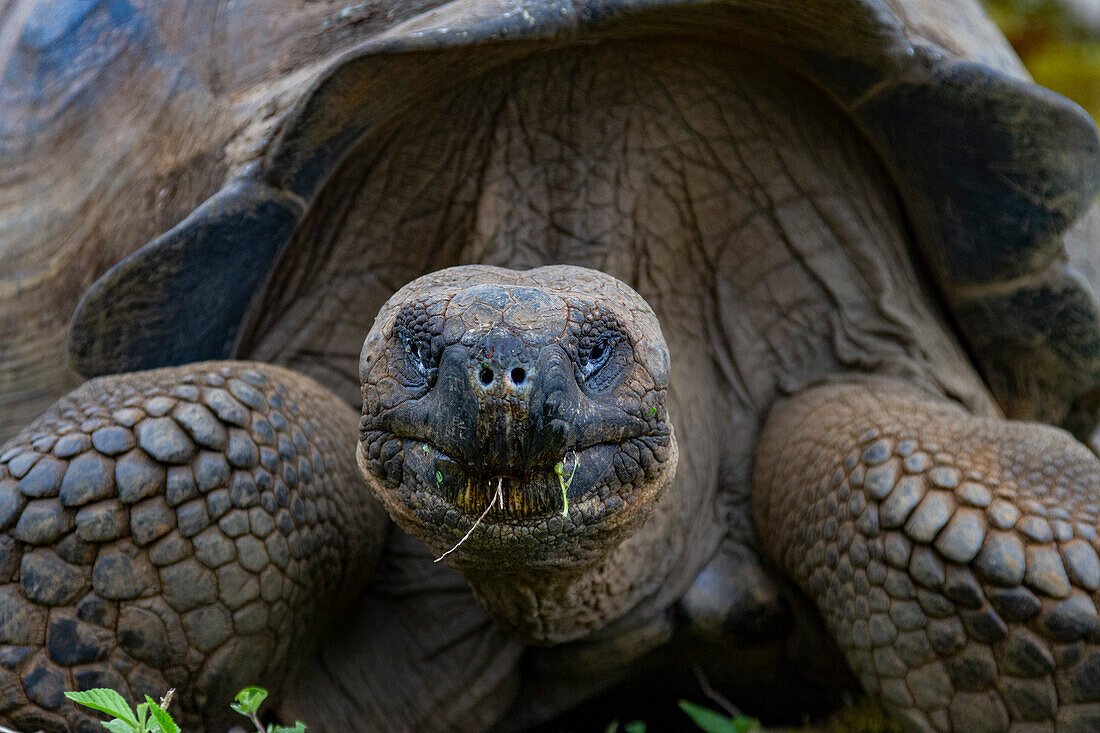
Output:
(712, 721)
(149, 717)
(152, 717)
(248, 703)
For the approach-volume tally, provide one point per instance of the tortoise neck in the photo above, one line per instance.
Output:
(625, 588)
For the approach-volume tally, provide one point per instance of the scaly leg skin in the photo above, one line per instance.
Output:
(953, 557)
(188, 527)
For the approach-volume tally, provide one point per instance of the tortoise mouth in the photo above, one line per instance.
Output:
(517, 518)
(510, 496)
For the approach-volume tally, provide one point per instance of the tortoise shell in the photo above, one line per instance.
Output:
(993, 172)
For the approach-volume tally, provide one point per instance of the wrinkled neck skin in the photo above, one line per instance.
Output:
(617, 591)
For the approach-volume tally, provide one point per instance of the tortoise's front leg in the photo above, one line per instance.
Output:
(186, 528)
(953, 557)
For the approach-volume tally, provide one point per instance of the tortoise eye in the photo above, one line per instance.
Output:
(423, 353)
(418, 350)
(597, 357)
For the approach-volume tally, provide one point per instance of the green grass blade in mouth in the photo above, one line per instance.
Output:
(565, 483)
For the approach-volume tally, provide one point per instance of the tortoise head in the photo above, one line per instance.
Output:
(528, 407)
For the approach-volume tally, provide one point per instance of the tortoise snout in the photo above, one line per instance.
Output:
(503, 377)
(503, 368)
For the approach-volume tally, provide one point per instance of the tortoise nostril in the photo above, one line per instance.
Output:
(486, 376)
(518, 375)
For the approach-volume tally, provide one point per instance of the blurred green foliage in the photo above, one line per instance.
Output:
(1059, 42)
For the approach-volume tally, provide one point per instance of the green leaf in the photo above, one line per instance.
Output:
(119, 726)
(714, 722)
(106, 701)
(143, 717)
(164, 720)
(249, 700)
(299, 727)
(612, 727)
(635, 726)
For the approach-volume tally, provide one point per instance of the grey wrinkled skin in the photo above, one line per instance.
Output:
(692, 331)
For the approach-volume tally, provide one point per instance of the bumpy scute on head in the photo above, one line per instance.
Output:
(183, 528)
(554, 281)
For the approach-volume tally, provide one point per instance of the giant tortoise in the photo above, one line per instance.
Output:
(706, 329)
